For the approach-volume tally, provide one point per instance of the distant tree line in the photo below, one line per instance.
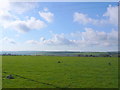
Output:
(102, 55)
(79, 55)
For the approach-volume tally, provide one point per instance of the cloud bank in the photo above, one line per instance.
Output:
(89, 37)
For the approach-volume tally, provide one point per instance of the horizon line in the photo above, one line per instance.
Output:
(61, 51)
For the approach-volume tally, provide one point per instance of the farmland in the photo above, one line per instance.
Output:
(71, 72)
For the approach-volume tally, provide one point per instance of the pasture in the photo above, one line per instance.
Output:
(70, 72)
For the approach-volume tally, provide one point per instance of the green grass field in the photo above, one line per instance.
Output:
(72, 72)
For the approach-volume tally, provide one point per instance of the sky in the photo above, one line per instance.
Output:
(59, 26)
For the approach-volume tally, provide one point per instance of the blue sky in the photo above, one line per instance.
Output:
(65, 26)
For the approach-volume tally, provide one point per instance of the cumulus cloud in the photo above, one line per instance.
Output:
(55, 40)
(58, 40)
(6, 18)
(8, 40)
(26, 25)
(23, 25)
(93, 37)
(46, 15)
(22, 7)
(9, 20)
(5, 15)
(18, 7)
(111, 14)
(89, 37)
(82, 18)
(85, 19)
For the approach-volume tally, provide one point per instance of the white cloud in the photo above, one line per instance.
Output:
(26, 25)
(6, 16)
(98, 38)
(93, 35)
(113, 37)
(9, 20)
(58, 40)
(8, 40)
(32, 42)
(55, 40)
(111, 14)
(22, 7)
(81, 18)
(18, 7)
(48, 16)
(88, 38)
(85, 19)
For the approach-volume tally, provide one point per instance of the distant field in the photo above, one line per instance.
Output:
(91, 53)
(72, 72)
